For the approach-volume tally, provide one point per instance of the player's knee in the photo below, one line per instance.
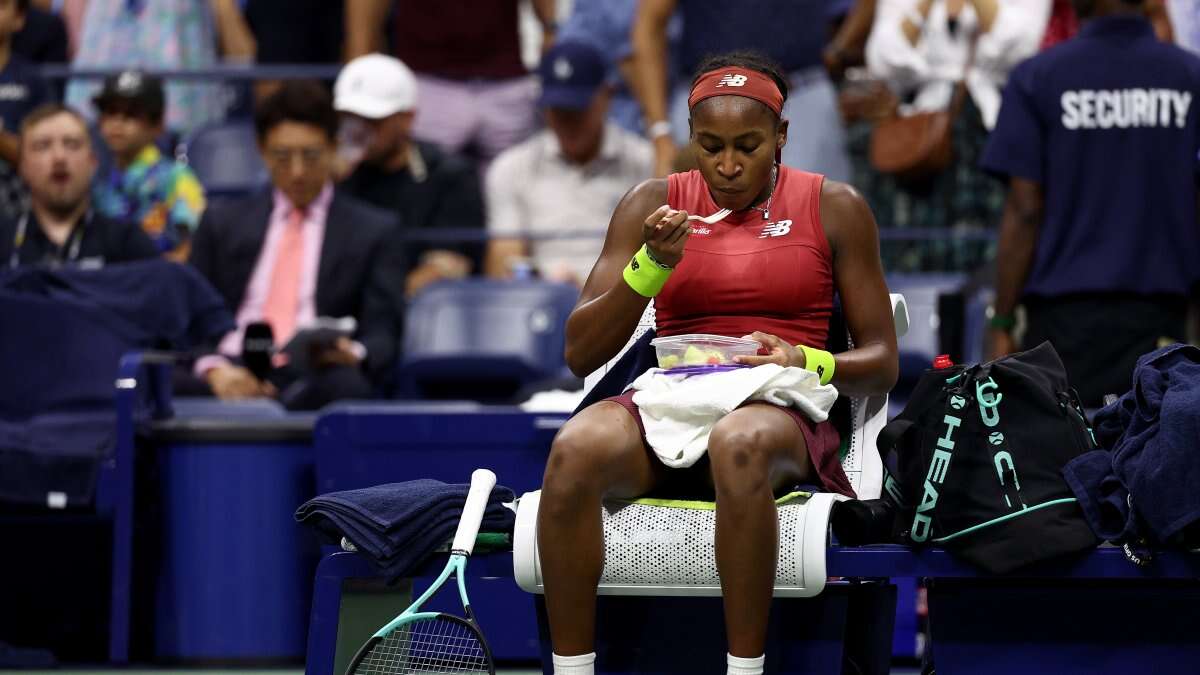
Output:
(580, 461)
(740, 456)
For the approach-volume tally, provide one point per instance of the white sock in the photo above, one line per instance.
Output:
(584, 664)
(740, 666)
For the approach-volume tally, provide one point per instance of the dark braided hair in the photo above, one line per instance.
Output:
(748, 59)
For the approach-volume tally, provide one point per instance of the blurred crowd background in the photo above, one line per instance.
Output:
(493, 138)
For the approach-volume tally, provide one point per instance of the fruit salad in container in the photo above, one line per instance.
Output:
(700, 350)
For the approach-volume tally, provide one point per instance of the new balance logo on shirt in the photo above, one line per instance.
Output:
(1125, 108)
(776, 229)
(732, 80)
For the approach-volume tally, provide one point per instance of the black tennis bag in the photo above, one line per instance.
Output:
(979, 456)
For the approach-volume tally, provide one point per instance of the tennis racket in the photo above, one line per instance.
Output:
(433, 642)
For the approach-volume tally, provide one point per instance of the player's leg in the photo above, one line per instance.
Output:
(752, 451)
(598, 453)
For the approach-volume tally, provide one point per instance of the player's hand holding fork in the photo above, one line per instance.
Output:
(665, 233)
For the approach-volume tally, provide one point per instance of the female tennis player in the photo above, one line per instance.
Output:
(769, 270)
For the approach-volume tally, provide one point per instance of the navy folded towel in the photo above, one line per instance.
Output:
(1142, 484)
(398, 525)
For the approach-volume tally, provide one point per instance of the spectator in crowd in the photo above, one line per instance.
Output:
(607, 26)
(158, 193)
(1098, 138)
(566, 179)
(298, 253)
(1185, 22)
(43, 39)
(475, 91)
(921, 51)
(788, 31)
(60, 227)
(294, 31)
(429, 189)
(164, 34)
(71, 12)
(1064, 21)
(846, 49)
(23, 90)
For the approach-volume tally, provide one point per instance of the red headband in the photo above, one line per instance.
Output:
(735, 81)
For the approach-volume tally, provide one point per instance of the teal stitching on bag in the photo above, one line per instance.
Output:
(1003, 518)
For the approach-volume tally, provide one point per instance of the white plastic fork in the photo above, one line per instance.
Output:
(714, 218)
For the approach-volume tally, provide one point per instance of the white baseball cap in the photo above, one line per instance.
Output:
(375, 86)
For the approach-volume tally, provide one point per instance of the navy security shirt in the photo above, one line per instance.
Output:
(1107, 123)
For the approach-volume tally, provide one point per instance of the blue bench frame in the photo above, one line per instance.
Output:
(966, 606)
(976, 628)
(142, 377)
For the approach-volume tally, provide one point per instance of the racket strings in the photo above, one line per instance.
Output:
(427, 646)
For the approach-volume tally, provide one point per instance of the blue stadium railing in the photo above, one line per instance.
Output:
(230, 72)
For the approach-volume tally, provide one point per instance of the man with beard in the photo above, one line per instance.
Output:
(428, 188)
(58, 162)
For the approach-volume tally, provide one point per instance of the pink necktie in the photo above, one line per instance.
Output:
(283, 297)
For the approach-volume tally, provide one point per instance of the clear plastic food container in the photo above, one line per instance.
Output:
(701, 350)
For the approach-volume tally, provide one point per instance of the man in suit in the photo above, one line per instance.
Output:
(299, 252)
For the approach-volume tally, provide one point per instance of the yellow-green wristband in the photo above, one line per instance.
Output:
(819, 361)
(645, 276)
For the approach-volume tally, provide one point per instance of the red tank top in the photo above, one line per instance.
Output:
(744, 273)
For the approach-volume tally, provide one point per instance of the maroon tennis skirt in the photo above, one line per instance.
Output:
(821, 438)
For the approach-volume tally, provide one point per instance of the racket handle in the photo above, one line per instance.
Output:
(482, 482)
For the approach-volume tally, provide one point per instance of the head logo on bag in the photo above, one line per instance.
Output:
(989, 403)
(939, 465)
(983, 511)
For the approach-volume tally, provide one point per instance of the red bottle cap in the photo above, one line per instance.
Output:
(942, 361)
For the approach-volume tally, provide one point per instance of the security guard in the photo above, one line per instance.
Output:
(1098, 138)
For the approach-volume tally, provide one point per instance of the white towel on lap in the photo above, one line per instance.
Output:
(679, 412)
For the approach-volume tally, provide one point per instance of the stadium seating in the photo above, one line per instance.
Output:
(225, 158)
(482, 339)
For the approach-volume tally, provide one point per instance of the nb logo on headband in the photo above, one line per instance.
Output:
(732, 81)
